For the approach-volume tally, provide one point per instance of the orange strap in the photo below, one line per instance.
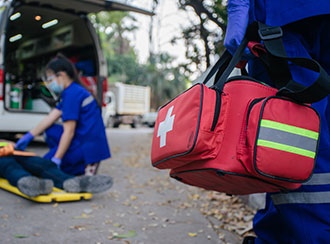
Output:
(21, 153)
(7, 149)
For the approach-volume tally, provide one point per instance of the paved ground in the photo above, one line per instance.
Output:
(144, 204)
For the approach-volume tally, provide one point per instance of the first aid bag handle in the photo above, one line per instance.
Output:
(219, 66)
(218, 85)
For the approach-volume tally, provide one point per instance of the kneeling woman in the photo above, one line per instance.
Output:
(81, 141)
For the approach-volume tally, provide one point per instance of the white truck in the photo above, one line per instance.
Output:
(126, 104)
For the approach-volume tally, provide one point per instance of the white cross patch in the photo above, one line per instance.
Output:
(165, 126)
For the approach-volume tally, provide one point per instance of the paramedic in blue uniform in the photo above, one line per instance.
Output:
(301, 216)
(81, 140)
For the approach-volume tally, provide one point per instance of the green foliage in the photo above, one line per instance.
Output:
(165, 80)
(220, 9)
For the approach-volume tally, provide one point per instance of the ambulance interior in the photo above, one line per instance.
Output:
(34, 35)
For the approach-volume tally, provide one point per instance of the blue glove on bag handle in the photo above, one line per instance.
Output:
(57, 161)
(22, 143)
(238, 20)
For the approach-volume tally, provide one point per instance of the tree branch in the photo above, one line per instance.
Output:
(199, 8)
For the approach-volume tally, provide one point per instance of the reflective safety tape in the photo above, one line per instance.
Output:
(288, 138)
(318, 179)
(286, 148)
(301, 198)
(289, 128)
(87, 101)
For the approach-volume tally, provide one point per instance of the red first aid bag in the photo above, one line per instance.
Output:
(239, 136)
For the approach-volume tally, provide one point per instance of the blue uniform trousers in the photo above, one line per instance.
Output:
(73, 160)
(302, 216)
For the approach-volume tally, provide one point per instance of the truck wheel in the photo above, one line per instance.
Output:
(112, 123)
(137, 122)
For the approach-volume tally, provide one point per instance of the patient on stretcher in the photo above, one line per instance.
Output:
(35, 176)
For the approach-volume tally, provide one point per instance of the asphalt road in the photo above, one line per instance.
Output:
(144, 205)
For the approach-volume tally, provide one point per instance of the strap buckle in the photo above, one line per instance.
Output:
(269, 32)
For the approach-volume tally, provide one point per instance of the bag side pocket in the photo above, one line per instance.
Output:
(282, 138)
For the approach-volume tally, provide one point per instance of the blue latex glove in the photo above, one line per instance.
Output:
(24, 141)
(238, 20)
(57, 161)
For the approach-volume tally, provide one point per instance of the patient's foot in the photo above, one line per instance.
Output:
(88, 183)
(33, 186)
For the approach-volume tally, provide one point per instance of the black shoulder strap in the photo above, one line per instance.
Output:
(271, 37)
(277, 69)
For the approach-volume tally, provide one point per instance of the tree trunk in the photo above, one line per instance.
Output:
(204, 35)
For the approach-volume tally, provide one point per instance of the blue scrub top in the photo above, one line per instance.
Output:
(282, 12)
(79, 105)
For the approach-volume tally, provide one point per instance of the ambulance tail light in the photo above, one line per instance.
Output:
(104, 90)
(1, 84)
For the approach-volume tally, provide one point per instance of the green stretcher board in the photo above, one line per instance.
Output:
(57, 195)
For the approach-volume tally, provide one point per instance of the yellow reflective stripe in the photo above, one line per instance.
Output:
(3, 144)
(286, 148)
(289, 128)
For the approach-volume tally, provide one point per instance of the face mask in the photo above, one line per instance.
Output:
(56, 87)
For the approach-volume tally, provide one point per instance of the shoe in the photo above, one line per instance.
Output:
(249, 240)
(33, 186)
(88, 183)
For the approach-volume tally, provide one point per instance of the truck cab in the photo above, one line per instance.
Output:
(34, 31)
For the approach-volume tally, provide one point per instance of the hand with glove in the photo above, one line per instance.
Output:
(238, 20)
(22, 143)
(57, 161)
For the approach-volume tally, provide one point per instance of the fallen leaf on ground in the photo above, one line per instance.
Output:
(133, 198)
(243, 231)
(83, 216)
(21, 236)
(4, 217)
(192, 234)
(88, 211)
(78, 227)
(195, 196)
(130, 234)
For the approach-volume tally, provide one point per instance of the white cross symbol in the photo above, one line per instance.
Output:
(165, 126)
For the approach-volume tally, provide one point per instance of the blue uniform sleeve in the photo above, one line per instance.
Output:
(70, 107)
(238, 19)
(59, 106)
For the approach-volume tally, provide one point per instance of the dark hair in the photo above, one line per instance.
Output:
(62, 63)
